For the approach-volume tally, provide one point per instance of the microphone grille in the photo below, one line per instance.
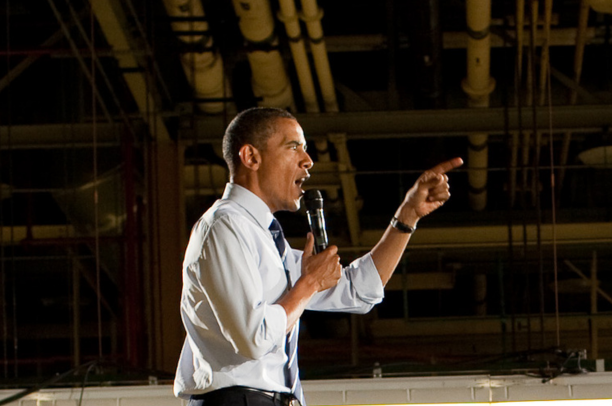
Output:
(313, 199)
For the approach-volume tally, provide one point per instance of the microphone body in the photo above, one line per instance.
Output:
(316, 218)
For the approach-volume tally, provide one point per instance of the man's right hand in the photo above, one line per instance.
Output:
(322, 269)
(319, 272)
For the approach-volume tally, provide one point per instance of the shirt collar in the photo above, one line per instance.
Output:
(250, 202)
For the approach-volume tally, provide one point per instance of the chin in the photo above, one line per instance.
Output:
(297, 205)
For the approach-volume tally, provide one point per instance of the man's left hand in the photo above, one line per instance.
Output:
(430, 191)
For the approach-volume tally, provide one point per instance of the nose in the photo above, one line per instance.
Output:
(307, 163)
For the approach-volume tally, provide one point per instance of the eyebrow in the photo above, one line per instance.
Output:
(298, 143)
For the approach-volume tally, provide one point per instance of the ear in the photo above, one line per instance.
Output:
(250, 157)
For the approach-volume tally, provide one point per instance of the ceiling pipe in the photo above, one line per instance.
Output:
(312, 15)
(203, 65)
(289, 16)
(531, 102)
(526, 134)
(518, 80)
(269, 77)
(478, 85)
(559, 37)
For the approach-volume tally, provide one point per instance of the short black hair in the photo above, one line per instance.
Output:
(252, 126)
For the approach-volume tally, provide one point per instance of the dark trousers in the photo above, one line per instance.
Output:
(239, 396)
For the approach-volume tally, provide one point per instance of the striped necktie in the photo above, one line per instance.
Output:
(292, 377)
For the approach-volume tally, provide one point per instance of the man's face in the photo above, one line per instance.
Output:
(284, 166)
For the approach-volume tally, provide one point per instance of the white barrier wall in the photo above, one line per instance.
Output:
(479, 389)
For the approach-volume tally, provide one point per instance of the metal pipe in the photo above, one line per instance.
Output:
(457, 40)
(289, 16)
(204, 66)
(269, 77)
(312, 15)
(419, 123)
(478, 85)
(517, 140)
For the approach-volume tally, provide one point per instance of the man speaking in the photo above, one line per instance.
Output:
(244, 288)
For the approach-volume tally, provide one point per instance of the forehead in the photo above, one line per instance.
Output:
(286, 130)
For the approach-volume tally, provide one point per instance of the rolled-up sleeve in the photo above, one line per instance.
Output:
(359, 289)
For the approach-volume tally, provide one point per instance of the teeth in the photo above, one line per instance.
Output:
(302, 180)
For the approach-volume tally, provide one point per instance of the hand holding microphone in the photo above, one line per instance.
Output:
(316, 218)
(325, 268)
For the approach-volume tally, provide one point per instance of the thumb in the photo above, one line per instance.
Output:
(309, 247)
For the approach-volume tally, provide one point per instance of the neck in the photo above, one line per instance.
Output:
(250, 181)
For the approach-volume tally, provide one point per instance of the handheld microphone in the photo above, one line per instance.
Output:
(316, 218)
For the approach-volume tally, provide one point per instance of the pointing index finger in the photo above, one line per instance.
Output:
(447, 166)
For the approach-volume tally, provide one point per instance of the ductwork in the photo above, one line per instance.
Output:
(269, 77)
(601, 6)
(312, 14)
(478, 85)
(289, 16)
(202, 64)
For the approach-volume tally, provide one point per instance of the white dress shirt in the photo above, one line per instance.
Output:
(232, 278)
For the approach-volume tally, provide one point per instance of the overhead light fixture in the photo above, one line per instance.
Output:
(598, 157)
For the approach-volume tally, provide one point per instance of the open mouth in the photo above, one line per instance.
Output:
(299, 182)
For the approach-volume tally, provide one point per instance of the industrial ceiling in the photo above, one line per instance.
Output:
(111, 117)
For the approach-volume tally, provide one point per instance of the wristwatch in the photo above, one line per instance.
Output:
(403, 227)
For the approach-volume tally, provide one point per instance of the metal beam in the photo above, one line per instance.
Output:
(485, 325)
(454, 40)
(486, 237)
(114, 24)
(579, 234)
(357, 125)
(425, 123)
(497, 236)
(59, 135)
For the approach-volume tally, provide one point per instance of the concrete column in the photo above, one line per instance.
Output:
(166, 244)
